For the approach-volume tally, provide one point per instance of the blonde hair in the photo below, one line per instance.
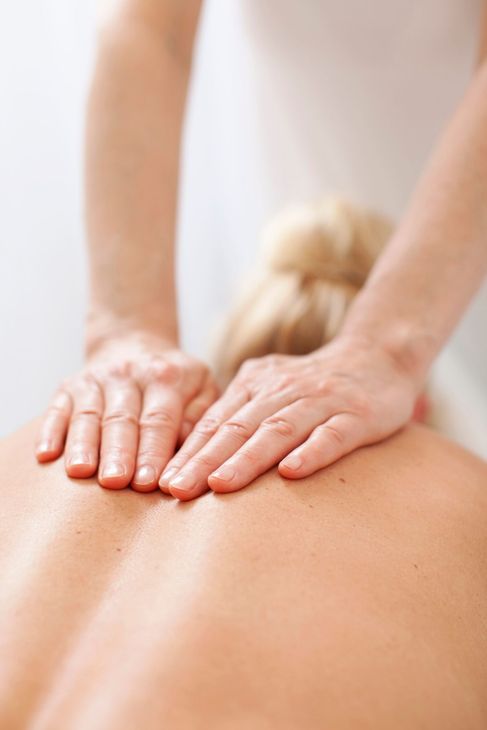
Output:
(314, 258)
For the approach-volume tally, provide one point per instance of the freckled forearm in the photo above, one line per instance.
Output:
(437, 258)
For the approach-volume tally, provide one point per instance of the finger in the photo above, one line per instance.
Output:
(230, 437)
(197, 407)
(335, 438)
(276, 436)
(83, 442)
(204, 429)
(187, 381)
(52, 433)
(184, 431)
(159, 426)
(120, 431)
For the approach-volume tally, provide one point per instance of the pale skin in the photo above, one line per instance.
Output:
(139, 395)
(353, 599)
(299, 413)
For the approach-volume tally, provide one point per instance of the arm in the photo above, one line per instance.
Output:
(306, 412)
(124, 413)
(438, 256)
(134, 120)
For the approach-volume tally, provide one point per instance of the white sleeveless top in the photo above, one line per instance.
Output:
(291, 100)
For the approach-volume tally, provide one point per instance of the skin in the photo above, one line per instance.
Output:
(302, 413)
(353, 599)
(305, 413)
(138, 395)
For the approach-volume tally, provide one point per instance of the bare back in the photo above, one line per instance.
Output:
(356, 598)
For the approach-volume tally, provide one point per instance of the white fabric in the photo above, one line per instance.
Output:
(292, 99)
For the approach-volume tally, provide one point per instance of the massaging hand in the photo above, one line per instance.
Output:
(124, 414)
(301, 412)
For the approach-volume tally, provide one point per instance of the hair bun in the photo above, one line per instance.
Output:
(331, 239)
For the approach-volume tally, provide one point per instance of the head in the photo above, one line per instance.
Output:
(314, 258)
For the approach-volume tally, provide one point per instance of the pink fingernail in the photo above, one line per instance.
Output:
(44, 447)
(80, 459)
(167, 475)
(145, 475)
(113, 470)
(225, 473)
(183, 482)
(292, 462)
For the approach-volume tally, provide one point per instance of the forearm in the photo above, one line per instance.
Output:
(437, 259)
(134, 121)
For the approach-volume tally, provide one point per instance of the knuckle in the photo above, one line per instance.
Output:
(116, 453)
(313, 449)
(120, 370)
(326, 386)
(113, 382)
(88, 379)
(63, 393)
(204, 460)
(119, 417)
(236, 428)
(86, 414)
(98, 374)
(55, 409)
(165, 371)
(279, 427)
(336, 435)
(249, 458)
(249, 366)
(157, 419)
(149, 453)
(79, 443)
(273, 360)
(207, 426)
(284, 382)
(86, 390)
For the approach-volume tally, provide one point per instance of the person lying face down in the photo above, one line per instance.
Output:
(351, 599)
(314, 259)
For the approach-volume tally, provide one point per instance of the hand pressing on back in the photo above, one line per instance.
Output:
(125, 413)
(300, 412)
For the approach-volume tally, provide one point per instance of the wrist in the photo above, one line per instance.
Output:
(410, 349)
(108, 332)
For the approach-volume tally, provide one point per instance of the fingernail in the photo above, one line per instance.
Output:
(167, 475)
(183, 482)
(80, 459)
(292, 462)
(44, 447)
(145, 475)
(113, 470)
(225, 473)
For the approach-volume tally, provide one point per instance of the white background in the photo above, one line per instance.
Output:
(46, 53)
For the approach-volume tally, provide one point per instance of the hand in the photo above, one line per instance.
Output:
(301, 412)
(125, 412)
